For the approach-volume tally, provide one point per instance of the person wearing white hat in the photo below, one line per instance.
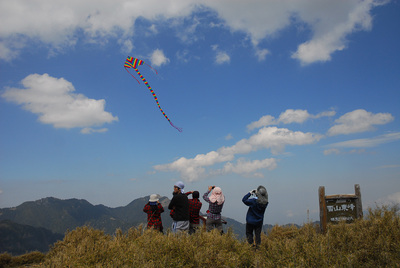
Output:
(154, 209)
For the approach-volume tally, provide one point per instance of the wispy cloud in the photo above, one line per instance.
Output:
(359, 121)
(367, 143)
(262, 53)
(341, 152)
(228, 137)
(247, 168)
(88, 130)
(158, 58)
(276, 140)
(395, 198)
(388, 166)
(221, 56)
(187, 34)
(331, 36)
(271, 138)
(287, 117)
(57, 23)
(54, 100)
(392, 199)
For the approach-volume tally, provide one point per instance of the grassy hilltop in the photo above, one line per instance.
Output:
(369, 242)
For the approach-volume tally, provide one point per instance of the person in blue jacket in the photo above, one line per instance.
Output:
(257, 200)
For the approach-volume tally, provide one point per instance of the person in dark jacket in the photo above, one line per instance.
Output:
(257, 200)
(180, 205)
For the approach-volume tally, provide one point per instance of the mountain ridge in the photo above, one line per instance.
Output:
(19, 239)
(57, 216)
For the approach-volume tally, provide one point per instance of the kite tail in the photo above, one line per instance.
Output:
(178, 128)
(132, 75)
(156, 99)
(152, 68)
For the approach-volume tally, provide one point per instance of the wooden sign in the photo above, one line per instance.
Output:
(336, 208)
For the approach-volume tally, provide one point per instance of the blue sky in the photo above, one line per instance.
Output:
(291, 95)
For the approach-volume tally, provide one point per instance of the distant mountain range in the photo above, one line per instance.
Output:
(19, 239)
(50, 218)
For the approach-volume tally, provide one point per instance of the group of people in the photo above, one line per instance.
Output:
(185, 212)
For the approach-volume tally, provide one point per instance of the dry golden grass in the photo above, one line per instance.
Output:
(370, 242)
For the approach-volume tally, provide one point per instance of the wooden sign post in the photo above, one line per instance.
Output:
(336, 208)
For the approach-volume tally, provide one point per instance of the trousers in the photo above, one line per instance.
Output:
(250, 228)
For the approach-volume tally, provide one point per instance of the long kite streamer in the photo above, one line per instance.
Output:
(134, 63)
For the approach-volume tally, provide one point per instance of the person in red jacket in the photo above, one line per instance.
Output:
(194, 211)
(154, 209)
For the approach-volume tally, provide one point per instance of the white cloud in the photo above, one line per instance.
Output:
(188, 34)
(248, 168)
(9, 48)
(300, 116)
(389, 200)
(222, 57)
(337, 151)
(359, 121)
(183, 55)
(331, 151)
(262, 54)
(58, 23)
(158, 58)
(289, 214)
(266, 120)
(395, 198)
(228, 137)
(126, 46)
(256, 18)
(367, 143)
(324, 114)
(287, 117)
(193, 169)
(329, 21)
(340, 19)
(153, 29)
(272, 138)
(293, 116)
(88, 130)
(56, 104)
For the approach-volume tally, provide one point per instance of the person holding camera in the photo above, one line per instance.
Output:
(257, 200)
(216, 201)
(154, 209)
